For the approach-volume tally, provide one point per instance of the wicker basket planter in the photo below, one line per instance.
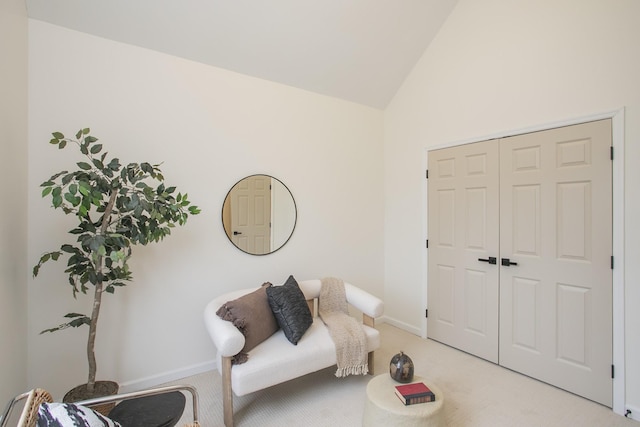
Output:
(101, 388)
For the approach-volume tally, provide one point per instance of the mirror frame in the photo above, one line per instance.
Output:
(226, 206)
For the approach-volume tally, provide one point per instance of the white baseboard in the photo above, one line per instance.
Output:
(402, 325)
(165, 377)
(635, 412)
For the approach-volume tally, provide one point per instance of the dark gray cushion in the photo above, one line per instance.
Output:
(290, 309)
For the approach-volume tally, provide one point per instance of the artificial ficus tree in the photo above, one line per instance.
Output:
(117, 207)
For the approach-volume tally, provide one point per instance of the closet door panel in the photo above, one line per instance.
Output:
(463, 223)
(556, 301)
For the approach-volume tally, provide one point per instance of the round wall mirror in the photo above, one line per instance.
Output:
(259, 214)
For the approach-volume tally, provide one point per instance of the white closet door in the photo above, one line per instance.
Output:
(556, 216)
(463, 229)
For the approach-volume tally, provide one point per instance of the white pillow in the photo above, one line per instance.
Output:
(69, 414)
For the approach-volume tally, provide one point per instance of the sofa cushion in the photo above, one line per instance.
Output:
(290, 308)
(276, 360)
(69, 414)
(252, 315)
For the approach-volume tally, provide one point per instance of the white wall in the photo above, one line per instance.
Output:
(13, 193)
(211, 127)
(496, 66)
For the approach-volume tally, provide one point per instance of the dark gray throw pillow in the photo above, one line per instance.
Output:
(290, 308)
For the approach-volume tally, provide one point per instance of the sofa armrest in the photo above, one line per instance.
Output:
(364, 301)
(225, 336)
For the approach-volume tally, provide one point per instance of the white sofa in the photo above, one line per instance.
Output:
(276, 360)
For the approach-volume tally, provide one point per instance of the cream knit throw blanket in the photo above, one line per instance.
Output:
(346, 331)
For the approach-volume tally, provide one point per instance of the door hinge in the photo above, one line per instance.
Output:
(427, 243)
(427, 174)
(611, 152)
(426, 312)
(612, 262)
(613, 374)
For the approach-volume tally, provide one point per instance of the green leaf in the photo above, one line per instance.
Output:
(62, 144)
(67, 178)
(84, 166)
(76, 231)
(146, 167)
(92, 277)
(95, 243)
(114, 165)
(54, 177)
(90, 139)
(73, 189)
(58, 135)
(46, 191)
(75, 201)
(85, 131)
(84, 188)
(133, 202)
(73, 315)
(57, 201)
(96, 149)
(114, 256)
(68, 248)
(80, 321)
(54, 141)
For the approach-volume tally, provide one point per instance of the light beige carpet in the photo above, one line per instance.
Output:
(477, 394)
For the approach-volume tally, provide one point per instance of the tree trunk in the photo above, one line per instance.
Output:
(91, 354)
(97, 299)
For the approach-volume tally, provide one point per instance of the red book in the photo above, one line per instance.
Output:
(414, 393)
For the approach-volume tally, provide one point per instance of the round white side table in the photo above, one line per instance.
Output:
(384, 409)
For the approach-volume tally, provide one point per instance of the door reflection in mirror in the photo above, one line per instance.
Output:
(259, 214)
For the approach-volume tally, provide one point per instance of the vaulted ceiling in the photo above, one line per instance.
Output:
(357, 50)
